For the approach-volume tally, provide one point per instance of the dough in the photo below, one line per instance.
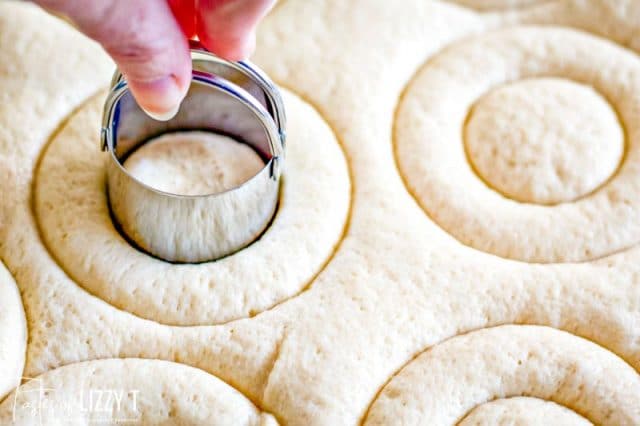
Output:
(522, 411)
(13, 333)
(193, 163)
(491, 5)
(544, 141)
(120, 391)
(446, 382)
(371, 285)
(73, 214)
(431, 155)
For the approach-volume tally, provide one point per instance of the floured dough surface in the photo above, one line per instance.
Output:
(13, 333)
(129, 391)
(432, 158)
(522, 411)
(384, 289)
(544, 141)
(493, 5)
(193, 163)
(446, 382)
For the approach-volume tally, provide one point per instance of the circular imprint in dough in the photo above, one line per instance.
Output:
(13, 333)
(522, 411)
(193, 163)
(544, 141)
(446, 382)
(73, 214)
(128, 391)
(431, 153)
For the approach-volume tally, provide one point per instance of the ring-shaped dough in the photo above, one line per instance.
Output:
(73, 214)
(129, 391)
(431, 155)
(522, 411)
(446, 382)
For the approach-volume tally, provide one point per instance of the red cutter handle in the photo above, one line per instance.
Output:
(185, 13)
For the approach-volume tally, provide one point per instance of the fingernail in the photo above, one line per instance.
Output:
(160, 98)
(166, 116)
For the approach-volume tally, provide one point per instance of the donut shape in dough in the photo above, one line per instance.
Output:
(522, 411)
(432, 159)
(73, 214)
(446, 382)
(193, 163)
(544, 141)
(13, 333)
(126, 391)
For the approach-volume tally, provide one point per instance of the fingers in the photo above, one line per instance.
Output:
(227, 27)
(148, 39)
(145, 40)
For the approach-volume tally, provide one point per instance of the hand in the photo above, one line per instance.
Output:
(148, 39)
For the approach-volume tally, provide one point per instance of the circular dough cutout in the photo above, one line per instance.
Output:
(129, 391)
(448, 381)
(544, 141)
(193, 163)
(522, 411)
(13, 333)
(73, 214)
(431, 155)
(496, 5)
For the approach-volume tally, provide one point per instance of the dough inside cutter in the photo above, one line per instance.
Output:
(193, 163)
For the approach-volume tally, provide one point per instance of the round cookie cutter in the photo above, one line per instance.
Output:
(235, 99)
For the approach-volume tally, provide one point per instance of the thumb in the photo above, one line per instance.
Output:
(146, 42)
(227, 27)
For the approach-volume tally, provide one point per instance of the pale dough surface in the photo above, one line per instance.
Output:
(193, 163)
(522, 411)
(387, 283)
(434, 164)
(13, 333)
(444, 383)
(492, 5)
(129, 391)
(544, 141)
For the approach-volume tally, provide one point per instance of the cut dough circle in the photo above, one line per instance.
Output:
(72, 210)
(432, 159)
(544, 141)
(193, 163)
(125, 391)
(13, 333)
(446, 382)
(522, 411)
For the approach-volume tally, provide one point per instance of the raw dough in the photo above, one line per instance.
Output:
(544, 141)
(492, 5)
(398, 285)
(446, 382)
(73, 213)
(522, 411)
(431, 154)
(13, 333)
(193, 163)
(129, 391)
